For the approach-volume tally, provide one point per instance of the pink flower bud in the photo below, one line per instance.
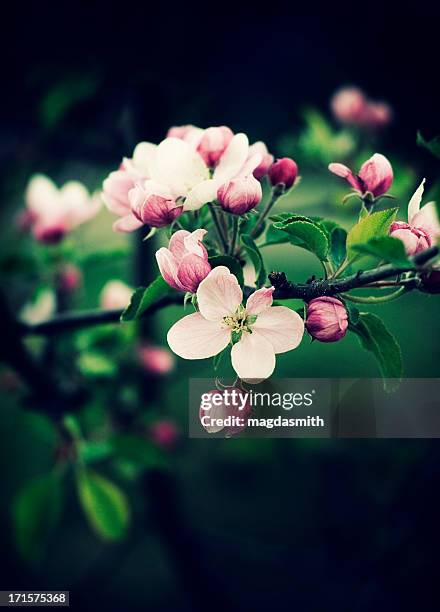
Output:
(184, 264)
(283, 172)
(164, 433)
(227, 410)
(51, 235)
(69, 278)
(415, 239)
(180, 131)
(327, 319)
(377, 115)
(156, 359)
(155, 210)
(375, 175)
(348, 105)
(266, 161)
(240, 195)
(214, 143)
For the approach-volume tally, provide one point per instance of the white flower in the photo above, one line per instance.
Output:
(259, 329)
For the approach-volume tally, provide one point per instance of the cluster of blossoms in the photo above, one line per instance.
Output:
(188, 169)
(352, 107)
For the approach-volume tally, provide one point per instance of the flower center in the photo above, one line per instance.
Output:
(240, 321)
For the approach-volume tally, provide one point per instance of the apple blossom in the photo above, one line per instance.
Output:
(213, 144)
(190, 133)
(351, 106)
(184, 264)
(423, 227)
(283, 172)
(114, 295)
(53, 212)
(375, 176)
(164, 433)
(327, 319)
(118, 184)
(68, 278)
(258, 330)
(156, 208)
(217, 406)
(240, 195)
(266, 159)
(156, 359)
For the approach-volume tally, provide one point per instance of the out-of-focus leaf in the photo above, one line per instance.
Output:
(92, 363)
(374, 226)
(306, 233)
(143, 298)
(99, 257)
(387, 248)
(35, 512)
(432, 145)
(231, 263)
(376, 338)
(104, 504)
(255, 256)
(137, 450)
(63, 96)
(94, 450)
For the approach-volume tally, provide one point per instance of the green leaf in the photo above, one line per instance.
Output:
(138, 450)
(255, 256)
(104, 504)
(376, 338)
(433, 145)
(275, 236)
(374, 226)
(94, 450)
(306, 233)
(231, 263)
(35, 512)
(387, 248)
(338, 251)
(92, 363)
(143, 298)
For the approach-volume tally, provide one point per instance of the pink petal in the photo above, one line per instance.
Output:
(376, 175)
(115, 192)
(168, 266)
(253, 357)
(177, 244)
(409, 239)
(280, 326)
(192, 271)
(193, 243)
(129, 223)
(260, 300)
(345, 172)
(427, 220)
(193, 337)
(219, 294)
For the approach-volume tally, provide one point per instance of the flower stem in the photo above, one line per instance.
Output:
(376, 299)
(235, 222)
(218, 227)
(266, 210)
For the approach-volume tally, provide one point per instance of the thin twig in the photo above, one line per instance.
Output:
(223, 241)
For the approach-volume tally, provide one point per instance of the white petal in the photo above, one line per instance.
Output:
(219, 294)
(193, 337)
(129, 223)
(253, 358)
(178, 166)
(253, 162)
(427, 219)
(201, 194)
(143, 155)
(280, 326)
(414, 203)
(233, 159)
(260, 300)
(42, 195)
